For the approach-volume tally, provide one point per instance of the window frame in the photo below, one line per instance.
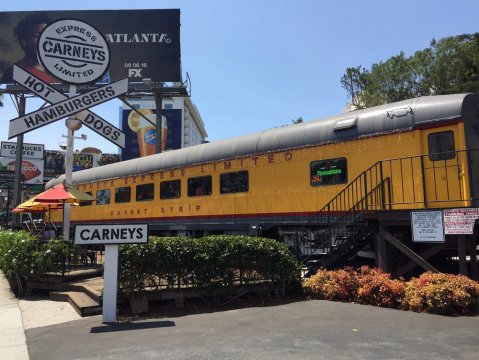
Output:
(192, 189)
(163, 195)
(89, 202)
(129, 197)
(138, 192)
(236, 188)
(442, 155)
(108, 201)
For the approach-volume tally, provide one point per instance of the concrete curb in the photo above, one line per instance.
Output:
(13, 344)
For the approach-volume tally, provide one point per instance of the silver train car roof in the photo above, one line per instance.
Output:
(391, 117)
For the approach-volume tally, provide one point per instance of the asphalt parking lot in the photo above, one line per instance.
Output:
(300, 330)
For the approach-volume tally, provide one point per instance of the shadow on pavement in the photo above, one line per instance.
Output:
(131, 326)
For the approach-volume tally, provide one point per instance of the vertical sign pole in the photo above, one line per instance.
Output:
(17, 183)
(110, 283)
(68, 173)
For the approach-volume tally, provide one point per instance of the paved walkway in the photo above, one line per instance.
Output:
(17, 316)
(13, 345)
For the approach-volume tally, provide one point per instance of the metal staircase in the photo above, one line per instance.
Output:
(339, 230)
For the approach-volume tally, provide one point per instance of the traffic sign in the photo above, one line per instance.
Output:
(67, 107)
(53, 96)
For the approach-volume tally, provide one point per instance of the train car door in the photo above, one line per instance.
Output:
(470, 111)
(444, 169)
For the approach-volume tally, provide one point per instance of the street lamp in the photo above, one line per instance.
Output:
(72, 124)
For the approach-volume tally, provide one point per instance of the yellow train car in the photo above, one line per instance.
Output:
(415, 154)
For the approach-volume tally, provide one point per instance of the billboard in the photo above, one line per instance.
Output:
(32, 169)
(143, 43)
(55, 161)
(140, 135)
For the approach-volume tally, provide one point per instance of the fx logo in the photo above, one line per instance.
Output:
(134, 72)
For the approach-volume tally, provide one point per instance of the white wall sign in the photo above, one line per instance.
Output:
(30, 151)
(73, 51)
(427, 226)
(460, 221)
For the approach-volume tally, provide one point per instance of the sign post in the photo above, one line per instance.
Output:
(110, 284)
(111, 236)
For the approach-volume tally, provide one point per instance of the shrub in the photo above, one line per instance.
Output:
(377, 288)
(22, 255)
(212, 262)
(18, 257)
(443, 294)
(336, 285)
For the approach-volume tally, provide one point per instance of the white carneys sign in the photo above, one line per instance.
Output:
(107, 234)
(110, 235)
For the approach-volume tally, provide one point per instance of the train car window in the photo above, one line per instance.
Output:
(145, 192)
(123, 194)
(199, 186)
(103, 197)
(87, 203)
(329, 172)
(234, 182)
(441, 146)
(170, 189)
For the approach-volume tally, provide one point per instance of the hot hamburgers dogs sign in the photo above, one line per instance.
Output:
(74, 51)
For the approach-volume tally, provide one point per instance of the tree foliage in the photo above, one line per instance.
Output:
(448, 66)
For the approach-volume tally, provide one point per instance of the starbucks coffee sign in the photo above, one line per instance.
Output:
(73, 51)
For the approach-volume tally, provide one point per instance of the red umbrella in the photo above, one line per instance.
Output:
(63, 194)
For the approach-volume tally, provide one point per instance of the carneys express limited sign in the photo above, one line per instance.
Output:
(73, 51)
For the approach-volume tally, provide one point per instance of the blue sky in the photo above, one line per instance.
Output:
(259, 64)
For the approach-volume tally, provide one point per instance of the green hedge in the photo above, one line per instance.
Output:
(22, 255)
(213, 262)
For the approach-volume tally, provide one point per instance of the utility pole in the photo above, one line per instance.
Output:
(159, 121)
